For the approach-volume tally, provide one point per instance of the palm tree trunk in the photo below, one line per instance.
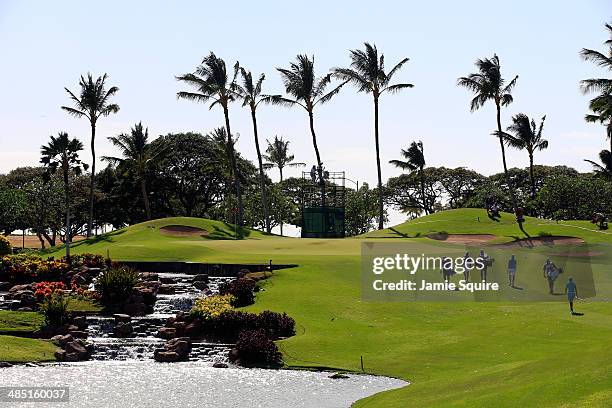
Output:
(503, 150)
(262, 183)
(93, 179)
(67, 197)
(145, 198)
(283, 210)
(232, 159)
(533, 189)
(319, 163)
(381, 209)
(422, 176)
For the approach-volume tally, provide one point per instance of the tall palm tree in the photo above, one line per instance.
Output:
(250, 94)
(306, 90)
(92, 103)
(137, 154)
(62, 152)
(212, 83)
(604, 169)
(367, 73)
(277, 155)
(526, 136)
(489, 85)
(602, 59)
(601, 105)
(415, 160)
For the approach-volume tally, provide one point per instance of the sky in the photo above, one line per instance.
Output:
(143, 45)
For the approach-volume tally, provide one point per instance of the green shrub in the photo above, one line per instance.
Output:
(243, 290)
(116, 284)
(55, 309)
(544, 234)
(254, 348)
(212, 306)
(5, 246)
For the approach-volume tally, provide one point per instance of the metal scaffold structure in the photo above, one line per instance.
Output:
(323, 204)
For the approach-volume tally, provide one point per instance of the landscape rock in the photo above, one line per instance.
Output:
(166, 356)
(165, 289)
(122, 318)
(220, 365)
(122, 329)
(201, 278)
(200, 285)
(80, 322)
(149, 276)
(62, 339)
(5, 286)
(78, 334)
(5, 364)
(167, 332)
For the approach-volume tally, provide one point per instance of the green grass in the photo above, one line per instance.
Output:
(475, 221)
(20, 350)
(14, 321)
(454, 354)
(80, 305)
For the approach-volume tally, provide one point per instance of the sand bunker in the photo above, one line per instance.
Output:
(543, 241)
(183, 231)
(463, 238)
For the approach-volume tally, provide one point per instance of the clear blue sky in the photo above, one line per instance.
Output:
(143, 45)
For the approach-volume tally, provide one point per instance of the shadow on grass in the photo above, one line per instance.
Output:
(108, 237)
(231, 231)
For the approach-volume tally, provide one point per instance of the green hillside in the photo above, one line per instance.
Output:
(467, 354)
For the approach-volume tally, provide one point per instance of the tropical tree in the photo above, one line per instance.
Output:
(489, 85)
(306, 90)
(602, 59)
(63, 152)
(604, 169)
(137, 154)
(601, 105)
(415, 161)
(367, 73)
(526, 136)
(277, 155)
(250, 94)
(92, 103)
(212, 83)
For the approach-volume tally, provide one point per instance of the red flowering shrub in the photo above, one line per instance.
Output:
(46, 289)
(89, 260)
(84, 293)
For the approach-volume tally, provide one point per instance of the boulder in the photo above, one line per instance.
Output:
(166, 356)
(122, 318)
(167, 332)
(149, 276)
(193, 328)
(75, 347)
(167, 280)
(201, 278)
(167, 289)
(60, 355)
(200, 285)
(78, 334)
(19, 288)
(25, 309)
(62, 340)
(5, 364)
(135, 309)
(5, 286)
(123, 329)
(220, 365)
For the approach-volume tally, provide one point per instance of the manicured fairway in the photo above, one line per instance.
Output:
(454, 354)
(19, 349)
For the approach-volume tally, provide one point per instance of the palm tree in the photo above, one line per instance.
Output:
(137, 154)
(277, 155)
(92, 103)
(601, 105)
(604, 170)
(367, 73)
(603, 85)
(212, 83)
(489, 85)
(250, 94)
(62, 152)
(415, 160)
(526, 136)
(307, 91)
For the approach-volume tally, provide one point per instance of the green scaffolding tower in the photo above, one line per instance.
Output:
(323, 205)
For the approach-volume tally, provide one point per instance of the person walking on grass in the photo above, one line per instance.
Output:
(511, 270)
(572, 293)
(551, 273)
(485, 261)
(467, 260)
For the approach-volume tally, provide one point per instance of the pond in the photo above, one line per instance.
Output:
(193, 384)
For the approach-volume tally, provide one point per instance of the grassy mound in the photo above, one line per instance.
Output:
(475, 221)
(150, 240)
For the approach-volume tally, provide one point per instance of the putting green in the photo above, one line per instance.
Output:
(468, 354)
